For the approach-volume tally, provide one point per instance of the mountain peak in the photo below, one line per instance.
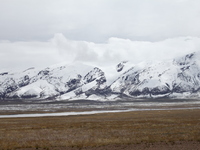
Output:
(172, 78)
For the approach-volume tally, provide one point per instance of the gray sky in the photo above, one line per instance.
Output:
(44, 32)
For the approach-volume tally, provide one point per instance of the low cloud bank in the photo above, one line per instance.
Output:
(60, 49)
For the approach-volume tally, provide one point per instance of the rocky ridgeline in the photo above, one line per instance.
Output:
(177, 78)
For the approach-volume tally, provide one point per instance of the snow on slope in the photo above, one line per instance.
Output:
(38, 89)
(152, 79)
(175, 78)
(113, 72)
(50, 82)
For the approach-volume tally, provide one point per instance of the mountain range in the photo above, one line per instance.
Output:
(175, 78)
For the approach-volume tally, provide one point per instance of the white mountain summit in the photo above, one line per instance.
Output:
(177, 78)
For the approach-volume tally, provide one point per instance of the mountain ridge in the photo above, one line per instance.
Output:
(176, 78)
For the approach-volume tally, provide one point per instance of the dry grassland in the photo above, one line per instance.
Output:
(92, 131)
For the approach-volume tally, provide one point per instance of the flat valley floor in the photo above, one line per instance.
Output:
(152, 130)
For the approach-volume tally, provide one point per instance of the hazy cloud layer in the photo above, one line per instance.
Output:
(101, 32)
(96, 21)
(60, 49)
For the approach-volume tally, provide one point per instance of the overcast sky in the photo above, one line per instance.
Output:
(43, 32)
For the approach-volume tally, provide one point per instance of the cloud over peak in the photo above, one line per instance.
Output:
(60, 49)
(101, 32)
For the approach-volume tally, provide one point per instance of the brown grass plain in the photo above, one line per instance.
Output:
(156, 129)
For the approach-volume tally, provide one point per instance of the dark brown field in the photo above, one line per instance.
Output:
(153, 130)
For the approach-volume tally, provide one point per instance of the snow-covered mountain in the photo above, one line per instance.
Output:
(172, 78)
(177, 78)
(52, 82)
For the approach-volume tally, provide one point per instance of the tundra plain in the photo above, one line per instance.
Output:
(150, 129)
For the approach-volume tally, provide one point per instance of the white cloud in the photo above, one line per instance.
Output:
(21, 55)
(60, 49)
(99, 20)
(99, 32)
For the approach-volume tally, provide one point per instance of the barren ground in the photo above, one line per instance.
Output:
(153, 130)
